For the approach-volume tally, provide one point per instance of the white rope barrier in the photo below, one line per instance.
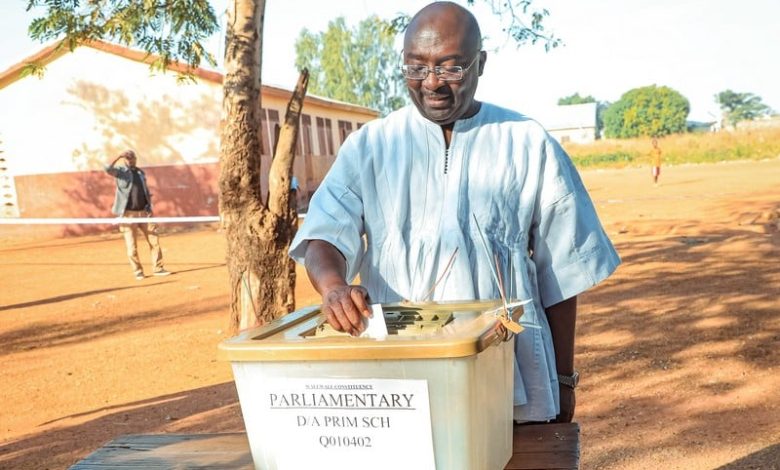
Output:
(110, 220)
(105, 220)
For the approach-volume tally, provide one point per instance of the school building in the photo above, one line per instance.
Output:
(58, 130)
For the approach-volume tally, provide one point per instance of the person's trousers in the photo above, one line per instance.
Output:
(149, 230)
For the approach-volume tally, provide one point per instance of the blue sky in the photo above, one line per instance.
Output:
(698, 47)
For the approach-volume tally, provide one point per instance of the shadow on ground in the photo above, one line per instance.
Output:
(213, 408)
(765, 459)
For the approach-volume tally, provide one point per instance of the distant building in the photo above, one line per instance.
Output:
(575, 123)
(57, 131)
(703, 126)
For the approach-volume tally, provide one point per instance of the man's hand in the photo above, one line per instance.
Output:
(344, 305)
(345, 308)
(568, 403)
(116, 160)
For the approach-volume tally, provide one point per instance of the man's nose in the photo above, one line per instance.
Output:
(432, 81)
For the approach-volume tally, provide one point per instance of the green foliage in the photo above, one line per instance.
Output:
(521, 23)
(738, 107)
(357, 65)
(647, 111)
(601, 109)
(32, 69)
(172, 30)
(616, 159)
(575, 99)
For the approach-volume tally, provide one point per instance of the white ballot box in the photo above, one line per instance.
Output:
(435, 393)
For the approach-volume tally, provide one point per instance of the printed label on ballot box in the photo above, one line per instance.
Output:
(348, 423)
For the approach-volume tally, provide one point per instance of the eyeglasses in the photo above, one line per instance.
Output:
(447, 73)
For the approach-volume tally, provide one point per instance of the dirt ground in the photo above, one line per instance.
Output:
(678, 351)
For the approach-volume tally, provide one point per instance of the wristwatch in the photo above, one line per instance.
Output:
(570, 381)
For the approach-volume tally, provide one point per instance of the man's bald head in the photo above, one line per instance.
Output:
(445, 17)
(444, 35)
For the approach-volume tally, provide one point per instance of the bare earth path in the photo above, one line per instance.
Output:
(678, 351)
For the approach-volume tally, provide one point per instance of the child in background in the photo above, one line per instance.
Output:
(655, 154)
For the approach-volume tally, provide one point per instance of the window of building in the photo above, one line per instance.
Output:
(264, 135)
(273, 128)
(345, 128)
(305, 134)
(329, 136)
(325, 136)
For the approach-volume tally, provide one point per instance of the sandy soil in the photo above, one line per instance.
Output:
(678, 351)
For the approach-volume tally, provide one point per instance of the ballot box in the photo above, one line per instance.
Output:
(435, 393)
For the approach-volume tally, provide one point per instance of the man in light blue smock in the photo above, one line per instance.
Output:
(411, 192)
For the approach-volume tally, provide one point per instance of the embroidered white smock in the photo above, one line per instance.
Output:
(398, 204)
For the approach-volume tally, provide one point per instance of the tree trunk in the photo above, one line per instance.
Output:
(261, 275)
(269, 292)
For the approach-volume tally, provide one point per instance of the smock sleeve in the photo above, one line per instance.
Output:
(335, 214)
(112, 170)
(569, 246)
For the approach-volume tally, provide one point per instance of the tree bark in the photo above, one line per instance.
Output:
(261, 275)
(269, 292)
(280, 176)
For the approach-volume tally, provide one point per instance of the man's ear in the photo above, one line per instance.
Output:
(482, 60)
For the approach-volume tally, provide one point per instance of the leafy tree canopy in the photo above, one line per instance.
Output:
(171, 30)
(738, 107)
(647, 111)
(357, 65)
(575, 99)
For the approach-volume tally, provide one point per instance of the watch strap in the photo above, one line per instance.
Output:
(570, 381)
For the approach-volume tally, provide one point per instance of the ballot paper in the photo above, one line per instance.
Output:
(375, 326)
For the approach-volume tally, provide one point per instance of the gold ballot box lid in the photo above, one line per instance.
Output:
(416, 331)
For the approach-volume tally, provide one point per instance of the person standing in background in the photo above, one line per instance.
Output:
(655, 155)
(133, 200)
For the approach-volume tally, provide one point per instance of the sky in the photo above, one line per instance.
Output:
(697, 47)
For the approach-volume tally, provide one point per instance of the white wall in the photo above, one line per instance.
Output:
(582, 135)
(90, 105)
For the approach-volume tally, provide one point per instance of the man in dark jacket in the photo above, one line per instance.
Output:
(132, 201)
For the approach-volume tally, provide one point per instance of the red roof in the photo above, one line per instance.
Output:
(53, 52)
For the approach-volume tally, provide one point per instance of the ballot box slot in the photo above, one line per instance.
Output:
(405, 322)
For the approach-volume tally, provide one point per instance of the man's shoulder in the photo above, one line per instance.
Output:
(511, 120)
(400, 115)
(498, 113)
(394, 122)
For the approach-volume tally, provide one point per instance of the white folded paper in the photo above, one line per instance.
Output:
(375, 326)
